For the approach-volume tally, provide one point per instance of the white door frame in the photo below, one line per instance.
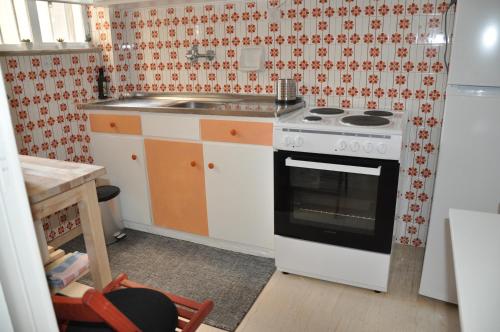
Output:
(21, 269)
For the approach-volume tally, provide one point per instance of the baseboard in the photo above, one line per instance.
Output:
(221, 244)
(441, 296)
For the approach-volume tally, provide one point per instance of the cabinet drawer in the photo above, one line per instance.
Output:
(259, 133)
(174, 126)
(116, 124)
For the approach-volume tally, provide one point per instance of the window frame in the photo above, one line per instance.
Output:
(36, 32)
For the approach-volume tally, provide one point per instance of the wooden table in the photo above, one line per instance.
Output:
(476, 260)
(53, 185)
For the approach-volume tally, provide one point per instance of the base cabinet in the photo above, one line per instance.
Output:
(177, 185)
(206, 177)
(239, 190)
(123, 157)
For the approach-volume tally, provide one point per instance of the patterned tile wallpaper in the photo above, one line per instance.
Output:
(43, 92)
(385, 54)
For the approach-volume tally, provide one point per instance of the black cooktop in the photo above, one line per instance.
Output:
(326, 111)
(379, 113)
(365, 120)
(312, 118)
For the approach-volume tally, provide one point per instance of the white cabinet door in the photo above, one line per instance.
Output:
(123, 157)
(239, 191)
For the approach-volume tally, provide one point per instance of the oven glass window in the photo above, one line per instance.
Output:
(333, 201)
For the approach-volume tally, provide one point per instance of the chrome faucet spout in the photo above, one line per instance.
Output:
(193, 54)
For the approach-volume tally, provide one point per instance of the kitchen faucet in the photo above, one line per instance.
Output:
(193, 55)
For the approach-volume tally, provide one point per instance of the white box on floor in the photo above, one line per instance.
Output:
(333, 263)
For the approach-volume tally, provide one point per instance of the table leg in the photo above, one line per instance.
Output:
(42, 241)
(93, 235)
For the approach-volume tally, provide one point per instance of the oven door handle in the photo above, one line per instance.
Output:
(333, 167)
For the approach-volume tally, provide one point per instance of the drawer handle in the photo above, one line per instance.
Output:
(233, 132)
(112, 125)
(193, 163)
(211, 165)
(133, 156)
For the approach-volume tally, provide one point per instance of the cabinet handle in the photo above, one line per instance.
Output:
(112, 124)
(193, 163)
(211, 165)
(133, 156)
(233, 132)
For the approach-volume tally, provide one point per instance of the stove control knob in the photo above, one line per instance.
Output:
(382, 148)
(287, 140)
(368, 147)
(342, 145)
(299, 141)
(354, 146)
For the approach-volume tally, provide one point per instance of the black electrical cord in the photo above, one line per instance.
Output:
(446, 64)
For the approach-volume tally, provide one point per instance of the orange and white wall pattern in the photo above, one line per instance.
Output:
(43, 92)
(385, 54)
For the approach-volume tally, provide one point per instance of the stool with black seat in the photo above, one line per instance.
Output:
(124, 305)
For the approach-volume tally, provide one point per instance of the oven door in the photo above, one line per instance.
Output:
(338, 200)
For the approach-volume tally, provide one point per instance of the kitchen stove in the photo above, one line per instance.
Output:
(348, 132)
(336, 176)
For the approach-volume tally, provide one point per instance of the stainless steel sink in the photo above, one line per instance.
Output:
(134, 103)
(194, 104)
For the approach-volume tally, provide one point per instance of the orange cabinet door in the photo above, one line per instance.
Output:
(177, 185)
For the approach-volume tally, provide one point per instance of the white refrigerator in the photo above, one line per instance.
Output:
(468, 171)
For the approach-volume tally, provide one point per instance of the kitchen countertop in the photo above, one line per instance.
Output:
(215, 104)
(476, 260)
(45, 178)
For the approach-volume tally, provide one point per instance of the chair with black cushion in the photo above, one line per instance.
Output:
(124, 305)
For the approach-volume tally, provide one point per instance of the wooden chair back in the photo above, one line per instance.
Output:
(93, 307)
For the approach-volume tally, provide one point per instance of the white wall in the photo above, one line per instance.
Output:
(22, 275)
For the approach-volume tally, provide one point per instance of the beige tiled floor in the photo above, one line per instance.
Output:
(208, 328)
(293, 303)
